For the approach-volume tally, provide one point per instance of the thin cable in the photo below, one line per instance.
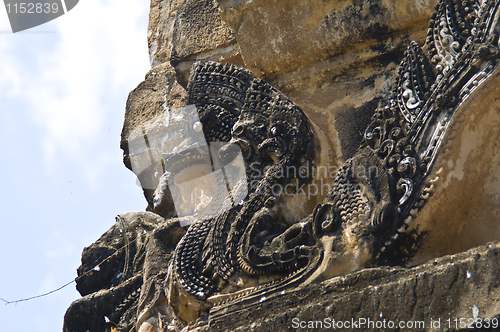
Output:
(72, 281)
(42, 295)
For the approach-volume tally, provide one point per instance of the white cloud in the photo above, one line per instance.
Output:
(99, 50)
(64, 94)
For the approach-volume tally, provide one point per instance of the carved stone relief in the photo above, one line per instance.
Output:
(422, 183)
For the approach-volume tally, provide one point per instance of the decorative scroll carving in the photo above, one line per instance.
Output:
(273, 134)
(257, 249)
(401, 144)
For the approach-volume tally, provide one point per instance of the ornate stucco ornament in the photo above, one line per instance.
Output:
(372, 213)
(398, 200)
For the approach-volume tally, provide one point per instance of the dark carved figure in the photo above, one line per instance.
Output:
(272, 240)
(272, 134)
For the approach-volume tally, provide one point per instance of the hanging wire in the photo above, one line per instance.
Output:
(72, 281)
(37, 296)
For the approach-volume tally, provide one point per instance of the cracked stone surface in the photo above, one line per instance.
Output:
(448, 287)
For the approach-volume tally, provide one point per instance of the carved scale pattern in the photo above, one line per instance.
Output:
(458, 50)
(272, 133)
(218, 91)
(402, 141)
(414, 82)
(407, 131)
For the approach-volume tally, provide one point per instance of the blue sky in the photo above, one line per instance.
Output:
(63, 88)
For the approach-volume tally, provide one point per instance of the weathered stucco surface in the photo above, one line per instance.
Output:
(336, 60)
(333, 58)
(440, 291)
(465, 210)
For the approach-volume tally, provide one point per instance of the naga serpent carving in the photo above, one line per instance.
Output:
(272, 135)
(271, 241)
(375, 195)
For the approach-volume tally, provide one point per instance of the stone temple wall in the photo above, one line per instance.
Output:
(336, 60)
